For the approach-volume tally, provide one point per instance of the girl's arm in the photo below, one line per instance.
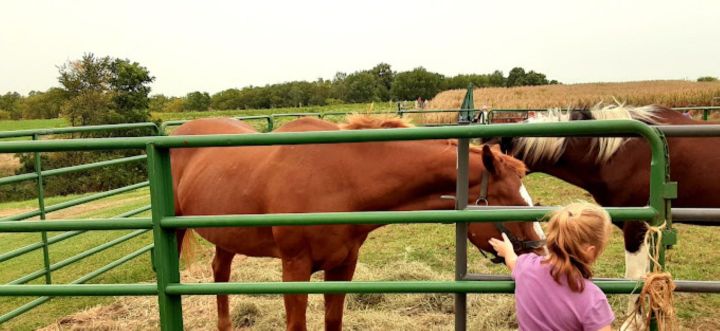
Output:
(606, 328)
(504, 248)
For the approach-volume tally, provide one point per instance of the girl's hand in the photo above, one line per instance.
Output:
(504, 249)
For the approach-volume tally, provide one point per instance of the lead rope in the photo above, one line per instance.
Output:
(656, 297)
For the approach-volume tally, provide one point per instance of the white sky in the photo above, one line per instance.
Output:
(214, 45)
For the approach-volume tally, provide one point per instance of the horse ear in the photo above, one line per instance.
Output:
(489, 159)
(506, 145)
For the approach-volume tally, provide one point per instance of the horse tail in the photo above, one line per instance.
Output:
(187, 245)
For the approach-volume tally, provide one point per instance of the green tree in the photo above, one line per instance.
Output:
(157, 103)
(227, 99)
(385, 76)
(46, 104)
(174, 105)
(197, 101)
(497, 79)
(707, 79)
(117, 86)
(9, 103)
(533, 78)
(516, 77)
(362, 87)
(419, 82)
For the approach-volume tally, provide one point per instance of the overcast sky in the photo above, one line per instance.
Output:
(214, 45)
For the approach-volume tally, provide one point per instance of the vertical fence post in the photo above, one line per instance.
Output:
(461, 200)
(466, 116)
(166, 249)
(41, 208)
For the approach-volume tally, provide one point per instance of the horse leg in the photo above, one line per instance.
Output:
(636, 266)
(221, 271)
(296, 269)
(334, 303)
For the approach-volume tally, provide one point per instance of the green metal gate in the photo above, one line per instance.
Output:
(163, 223)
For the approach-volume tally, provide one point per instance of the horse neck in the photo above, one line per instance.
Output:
(418, 183)
(576, 167)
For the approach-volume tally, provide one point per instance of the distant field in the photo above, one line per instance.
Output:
(671, 93)
(10, 125)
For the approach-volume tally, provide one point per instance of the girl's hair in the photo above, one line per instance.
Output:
(570, 231)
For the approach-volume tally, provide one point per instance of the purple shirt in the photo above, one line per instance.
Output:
(543, 304)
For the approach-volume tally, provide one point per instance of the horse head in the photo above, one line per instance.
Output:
(500, 183)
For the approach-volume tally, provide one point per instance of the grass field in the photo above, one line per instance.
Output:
(393, 252)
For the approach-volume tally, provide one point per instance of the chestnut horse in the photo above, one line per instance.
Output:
(616, 170)
(377, 176)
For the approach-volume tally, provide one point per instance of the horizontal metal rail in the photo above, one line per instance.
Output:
(29, 248)
(697, 108)
(698, 216)
(379, 217)
(66, 170)
(688, 286)
(75, 202)
(705, 130)
(267, 118)
(614, 287)
(578, 128)
(318, 115)
(32, 304)
(72, 290)
(76, 129)
(340, 113)
(68, 261)
(85, 224)
(430, 111)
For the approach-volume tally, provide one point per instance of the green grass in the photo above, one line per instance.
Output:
(694, 257)
(136, 270)
(12, 125)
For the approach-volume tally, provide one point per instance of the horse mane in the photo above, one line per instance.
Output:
(551, 148)
(362, 121)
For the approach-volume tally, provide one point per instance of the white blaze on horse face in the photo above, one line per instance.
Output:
(637, 264)
(525, 195)
(528, 199)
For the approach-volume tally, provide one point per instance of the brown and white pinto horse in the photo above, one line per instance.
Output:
(616, 170)
(390, 176)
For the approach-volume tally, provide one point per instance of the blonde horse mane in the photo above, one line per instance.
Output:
(551, 148)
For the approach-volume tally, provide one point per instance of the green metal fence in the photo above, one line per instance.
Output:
(39, 176)
(163, 223)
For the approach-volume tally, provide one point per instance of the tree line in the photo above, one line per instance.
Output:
(96, 90)
(379, 83)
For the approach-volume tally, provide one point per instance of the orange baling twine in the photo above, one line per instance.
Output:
(656, 297)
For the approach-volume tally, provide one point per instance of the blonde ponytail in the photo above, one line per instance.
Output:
(570, 231)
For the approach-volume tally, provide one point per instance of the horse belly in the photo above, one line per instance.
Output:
(250, 241)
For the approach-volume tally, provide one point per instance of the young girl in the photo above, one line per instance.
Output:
(554, 292)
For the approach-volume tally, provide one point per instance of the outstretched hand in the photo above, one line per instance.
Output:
(504, 248)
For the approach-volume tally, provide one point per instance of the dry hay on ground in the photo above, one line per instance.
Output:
(258, 312)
